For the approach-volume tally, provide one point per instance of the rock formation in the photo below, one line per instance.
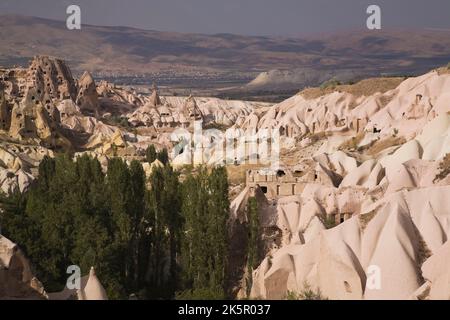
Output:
(358, 208)
(5, 116)
(90, 289)
(181, 111)
(16, 279)
(154, 98)
(191, 111)
(87, 98)
(27, 110)
(51, 77)
(339, 262)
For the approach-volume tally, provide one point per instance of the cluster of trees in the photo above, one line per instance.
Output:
(204, 248)
(157, 238)
(151, 155)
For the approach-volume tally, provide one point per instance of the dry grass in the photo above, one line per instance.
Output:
(444, 70)
(318, 136)
(364, 219)
(444, 168)
(352, 143)
(425, 294)
(380, 145)
(236, 174)
(365, 87)
(423, 251)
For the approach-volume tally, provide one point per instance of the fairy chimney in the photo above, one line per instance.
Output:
(191, 110)
(87, 98)
(4, 112)
(154, 98)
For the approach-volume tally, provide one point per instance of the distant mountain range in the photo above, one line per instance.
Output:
(109, 51)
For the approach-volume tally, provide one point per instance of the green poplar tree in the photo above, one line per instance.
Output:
(163, 156)
(150, 154)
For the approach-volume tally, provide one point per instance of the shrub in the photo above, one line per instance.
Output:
(328, 221)
(200, 294)
(306, 294)
(333, 83)
(214, 125)
(395, 132)
(444, 168)
(118, 121)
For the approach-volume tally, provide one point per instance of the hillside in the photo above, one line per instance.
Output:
(223, 57)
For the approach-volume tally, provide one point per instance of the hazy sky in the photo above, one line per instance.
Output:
(249, 17)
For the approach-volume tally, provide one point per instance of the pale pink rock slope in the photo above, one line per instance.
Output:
(393, 243)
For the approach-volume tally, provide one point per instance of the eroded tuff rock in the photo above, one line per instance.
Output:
(116, 99)
(90, 289)
(170, 112)
(17, 165)
(44, 105)
(436, 273)
(394, 237)
(31, 101)
(161, 114)
(51, 77)
(406, 108)
(354, 199)
(48, 76)
(18, 282)
(27, 109)
(5, 115)
(16, 278)
(87, 98)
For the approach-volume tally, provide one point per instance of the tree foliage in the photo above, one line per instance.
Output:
(150, 154)
(163, 156)
(150, 237)
(205, 210)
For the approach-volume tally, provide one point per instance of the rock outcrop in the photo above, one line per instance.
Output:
(173, 112)
(16, 278)
(87, 98)
(51, 77)
(406, 108)
(380, 229)
(28, 111)
(90, 289)
(355, 259)
(5, 115)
